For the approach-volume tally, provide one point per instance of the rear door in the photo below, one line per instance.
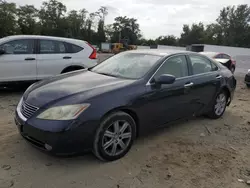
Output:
(19, 61)
(206, 80)
(53, 56)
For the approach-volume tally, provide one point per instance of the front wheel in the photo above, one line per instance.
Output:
(114, 137)
(219, 105)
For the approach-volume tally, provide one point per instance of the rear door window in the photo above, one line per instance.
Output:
(52, 47)
(201, 65)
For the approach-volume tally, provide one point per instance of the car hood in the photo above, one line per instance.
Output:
(70, 84)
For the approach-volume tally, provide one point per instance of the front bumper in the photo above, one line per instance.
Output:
(65, 142)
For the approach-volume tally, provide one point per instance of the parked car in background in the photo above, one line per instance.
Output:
(223, 58)
(32, 57)
(247, 78)
(103, 109)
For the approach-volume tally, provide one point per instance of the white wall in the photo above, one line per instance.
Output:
(171, 47)
(163, 47)
(143, 47)
(233, 51)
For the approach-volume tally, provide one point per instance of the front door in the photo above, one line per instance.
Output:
(19, 61)
(167, 103)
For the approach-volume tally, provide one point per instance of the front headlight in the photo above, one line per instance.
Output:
(67, 112)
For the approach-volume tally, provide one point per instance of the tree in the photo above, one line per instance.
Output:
(90, 27)
(109, 31)
(126, 28)
(27, 16)
(76, 23)
(8, 20)
(167, 40)
(193, 35)
(102, 13)
(213, 34)
(234, 23)
(52, 18)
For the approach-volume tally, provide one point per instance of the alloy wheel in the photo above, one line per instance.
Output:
(117, 137)
(221, 102)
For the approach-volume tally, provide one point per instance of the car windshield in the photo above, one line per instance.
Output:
(127, 65)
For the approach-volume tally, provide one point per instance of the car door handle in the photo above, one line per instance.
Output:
(189, 85)
(30, 59)
(67, 57)
(218, 77)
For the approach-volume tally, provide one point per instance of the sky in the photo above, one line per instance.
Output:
(155, 17)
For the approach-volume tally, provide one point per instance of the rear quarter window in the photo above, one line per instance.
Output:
(72, 48)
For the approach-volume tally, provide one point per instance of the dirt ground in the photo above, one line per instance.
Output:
(198, 153)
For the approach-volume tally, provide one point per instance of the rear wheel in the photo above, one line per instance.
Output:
(219, 105)
(114, 137)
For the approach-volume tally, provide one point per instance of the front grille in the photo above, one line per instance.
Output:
(28, 110)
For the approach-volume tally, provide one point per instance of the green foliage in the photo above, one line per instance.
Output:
(232, 27)
(125, 28)
(8, 22)
(27, 16)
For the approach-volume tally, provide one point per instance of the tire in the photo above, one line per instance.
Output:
(248, 85)
(106, 136)
(216, 113)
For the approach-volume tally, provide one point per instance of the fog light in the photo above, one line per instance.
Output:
(48, 147)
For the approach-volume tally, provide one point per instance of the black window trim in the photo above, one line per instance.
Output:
(34, 45)
(191, 75)
(181, 54)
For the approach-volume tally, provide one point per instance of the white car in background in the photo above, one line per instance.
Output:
(33, 57)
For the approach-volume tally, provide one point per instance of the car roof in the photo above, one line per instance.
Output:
(40, 37)
(160, 52)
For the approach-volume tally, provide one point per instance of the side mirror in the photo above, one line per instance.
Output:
(165, 79)
(2, 51)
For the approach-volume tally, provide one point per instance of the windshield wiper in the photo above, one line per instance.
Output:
(106, 74)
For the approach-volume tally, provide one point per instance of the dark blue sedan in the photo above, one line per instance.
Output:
(104, 109)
